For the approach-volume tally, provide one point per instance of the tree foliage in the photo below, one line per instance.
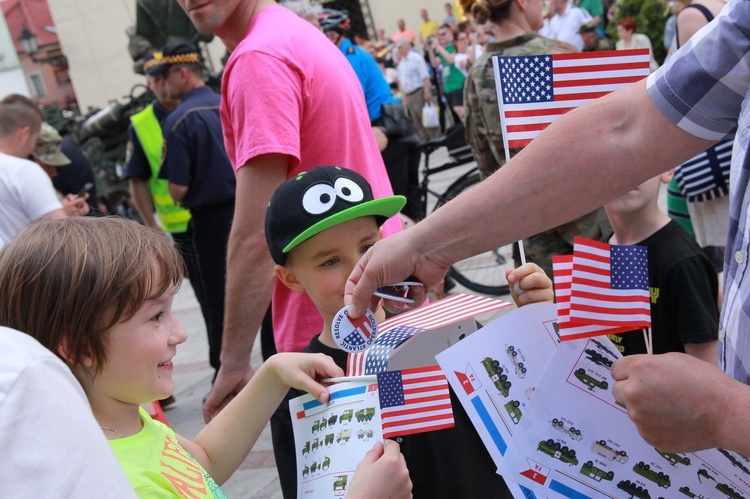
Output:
(651, 16)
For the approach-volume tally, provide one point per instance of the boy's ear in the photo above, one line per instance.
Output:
(287, 277)
(666, 177)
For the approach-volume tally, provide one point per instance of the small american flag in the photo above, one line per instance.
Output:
(562, 269)
(451, 310)
(535, 90)
(414, 401)
(609, 286)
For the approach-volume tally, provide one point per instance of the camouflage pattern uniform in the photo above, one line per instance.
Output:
(484, 135)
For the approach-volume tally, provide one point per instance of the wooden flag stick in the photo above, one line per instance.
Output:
(650, 342)
(645, 339)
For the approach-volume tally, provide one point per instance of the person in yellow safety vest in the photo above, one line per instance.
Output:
(143, 161)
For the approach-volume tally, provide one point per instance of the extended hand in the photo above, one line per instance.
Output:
(227, 384)
(534, 285)
(301, 370)
(382, 473)
(74, 206)
(681, 404)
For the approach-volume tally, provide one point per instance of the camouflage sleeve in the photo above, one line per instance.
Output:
(478, 124)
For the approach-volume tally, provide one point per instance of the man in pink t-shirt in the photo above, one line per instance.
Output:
(290, 102)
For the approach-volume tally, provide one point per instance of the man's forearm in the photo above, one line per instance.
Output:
(142, 201)
(250, 281)
(621, 140)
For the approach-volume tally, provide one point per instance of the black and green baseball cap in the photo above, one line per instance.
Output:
(319, 199)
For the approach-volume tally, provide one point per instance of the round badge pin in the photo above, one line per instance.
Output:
(354, 335)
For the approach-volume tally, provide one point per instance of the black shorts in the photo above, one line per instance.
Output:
(455, 98)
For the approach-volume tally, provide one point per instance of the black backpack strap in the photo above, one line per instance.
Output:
(704, 11)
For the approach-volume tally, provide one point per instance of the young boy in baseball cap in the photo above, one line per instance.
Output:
(318, 225)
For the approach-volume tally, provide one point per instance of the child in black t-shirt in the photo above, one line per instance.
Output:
(682, 282)
(318, 225)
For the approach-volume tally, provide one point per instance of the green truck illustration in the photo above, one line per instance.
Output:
(659, 478)
(323, 424)
(704, 473)
(328, 439)
(332, 420)
(315, 444)
(306, 448)
(513, 410)
(305, 471)
(339, 482)
(590, 381)
(728, 491)
(558, 451)
(326, 463)
(735, 462)
(686, 490)
(497, 376)
(633, 489)
(347, 415)
(674, 459)
(597, 474)
(572, 432)
(316, 426)
(365, 414)
(314, 467)
(600, 447)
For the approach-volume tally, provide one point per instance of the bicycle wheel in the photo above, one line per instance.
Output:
(483, 273)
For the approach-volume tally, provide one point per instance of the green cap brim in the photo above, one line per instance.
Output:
(383, 207)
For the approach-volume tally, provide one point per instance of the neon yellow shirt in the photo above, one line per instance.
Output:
(158, 467)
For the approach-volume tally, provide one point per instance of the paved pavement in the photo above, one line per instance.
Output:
(257, 477)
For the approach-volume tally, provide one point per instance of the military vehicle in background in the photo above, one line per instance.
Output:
(101, 133)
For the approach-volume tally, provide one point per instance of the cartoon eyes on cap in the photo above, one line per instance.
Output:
(320, 198)
(348, 190)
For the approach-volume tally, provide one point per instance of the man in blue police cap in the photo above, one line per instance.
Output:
(200, 176)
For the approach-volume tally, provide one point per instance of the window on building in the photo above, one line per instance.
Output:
(36, 84)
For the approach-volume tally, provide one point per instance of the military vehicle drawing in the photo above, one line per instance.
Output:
(326, 463)
(495, 372)
(347, 415)
(339, 483)
(323, 424)
(345, 435)
(365, 414)
(633, 489)
(364, 434)
(686, 490)
(572, 432)
(315, 444)
(590, 381)
(316, 426)
(513, 410)
(728, 491)
(735, 462)
(306, 448)
(603, 348)
(328, 439)
(659, 478)
(520, 369)
(558, 451)
(314, 467)
(674, 459)
(332, 420)
(600, 447)
(306, 470)
(597, 474)
(704, 473)
(598, 358)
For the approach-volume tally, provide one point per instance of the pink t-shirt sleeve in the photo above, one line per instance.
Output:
(267, 125)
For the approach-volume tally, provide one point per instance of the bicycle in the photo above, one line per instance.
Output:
(483, 273)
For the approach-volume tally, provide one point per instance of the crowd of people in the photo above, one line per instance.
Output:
(276, 231)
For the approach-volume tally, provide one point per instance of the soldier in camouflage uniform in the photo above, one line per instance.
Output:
(592, 41)
(484, 134)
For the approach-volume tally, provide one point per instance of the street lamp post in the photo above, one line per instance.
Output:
(30, 46)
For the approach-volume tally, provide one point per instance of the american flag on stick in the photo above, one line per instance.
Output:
(451, 310)
(535, 90)
(609, 286)
(562, 268)
(414, 401)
